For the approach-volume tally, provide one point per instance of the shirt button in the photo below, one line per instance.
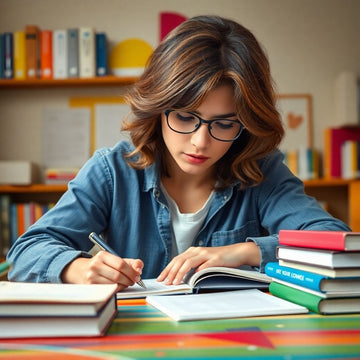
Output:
(201, 242)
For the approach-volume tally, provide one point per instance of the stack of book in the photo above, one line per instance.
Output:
(55, 310)
(318, 269)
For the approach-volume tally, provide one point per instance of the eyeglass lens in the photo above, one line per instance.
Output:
(186, 123)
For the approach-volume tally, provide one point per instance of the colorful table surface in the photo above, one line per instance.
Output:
(142, 332)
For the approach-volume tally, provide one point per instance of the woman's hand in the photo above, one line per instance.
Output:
(103, 268)
(202, 257)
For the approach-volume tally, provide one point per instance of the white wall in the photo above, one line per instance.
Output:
(309, 42)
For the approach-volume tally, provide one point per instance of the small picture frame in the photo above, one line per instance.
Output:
(296, 114)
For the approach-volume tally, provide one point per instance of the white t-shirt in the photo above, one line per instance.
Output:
(185, 226)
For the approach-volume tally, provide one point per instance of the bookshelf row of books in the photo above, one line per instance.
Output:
(78, 52)
(304, 163)
(341, 152)
(318, 269)
(340, 158)
(16, 218)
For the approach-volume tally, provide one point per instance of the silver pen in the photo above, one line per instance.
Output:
(96, 239)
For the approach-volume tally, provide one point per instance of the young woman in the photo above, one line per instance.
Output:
(202, 183)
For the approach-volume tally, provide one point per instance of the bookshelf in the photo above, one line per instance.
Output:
(73, 82)
(341, 196)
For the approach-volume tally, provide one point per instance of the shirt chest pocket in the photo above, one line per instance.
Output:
(228, 237)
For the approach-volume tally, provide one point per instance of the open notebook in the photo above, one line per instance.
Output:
(207, 280)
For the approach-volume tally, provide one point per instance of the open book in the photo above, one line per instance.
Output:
(222, 305)
(206, 280)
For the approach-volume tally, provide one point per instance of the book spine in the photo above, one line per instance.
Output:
(87, 52)
(327, 240)
(8, 72)
(292, 161)
(20, 218)
(101, 54)
(60, 67)
(73, 52)
(327, 153)
(315, 161)
(19, 55)
(358, 154)
(296, 296)
(46, 54)
(5, 224)
(1, 55)
(13, 223)
(294, 276)
(349, 159)
(32, 42)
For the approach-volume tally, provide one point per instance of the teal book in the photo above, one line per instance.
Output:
(101, 54)
(315, 303)
(313, 281)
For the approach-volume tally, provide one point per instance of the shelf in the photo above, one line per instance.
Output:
(47, 188)
(73, 82)
(34, 188)
(328, 182)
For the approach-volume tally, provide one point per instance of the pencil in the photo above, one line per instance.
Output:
(96, 239)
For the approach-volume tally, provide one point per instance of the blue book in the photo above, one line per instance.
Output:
(8, 66)
(13, 223)
(1, 56)
(312, 281)
(101, 55)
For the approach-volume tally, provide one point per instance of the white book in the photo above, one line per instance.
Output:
(21, 299)
(18, 172)
(349, 160)
(222, 305)
(53, 310)
(60, 58)
(87, 61)
(342, 272)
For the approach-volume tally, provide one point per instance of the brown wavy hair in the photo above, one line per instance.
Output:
(197, 56)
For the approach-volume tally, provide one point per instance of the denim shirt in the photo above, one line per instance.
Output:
(128, 207)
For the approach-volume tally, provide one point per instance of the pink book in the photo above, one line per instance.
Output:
(321, 239)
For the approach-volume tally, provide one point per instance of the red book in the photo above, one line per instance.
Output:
(334, 138)
(21, 218)
(46, 54)
(329, 240)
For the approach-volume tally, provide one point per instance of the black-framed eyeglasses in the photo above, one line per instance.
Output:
(185, 122)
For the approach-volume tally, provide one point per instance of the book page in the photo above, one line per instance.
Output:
(152, 287)
(66, 137)
(232, 304)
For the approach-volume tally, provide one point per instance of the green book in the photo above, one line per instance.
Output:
(316, 303)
